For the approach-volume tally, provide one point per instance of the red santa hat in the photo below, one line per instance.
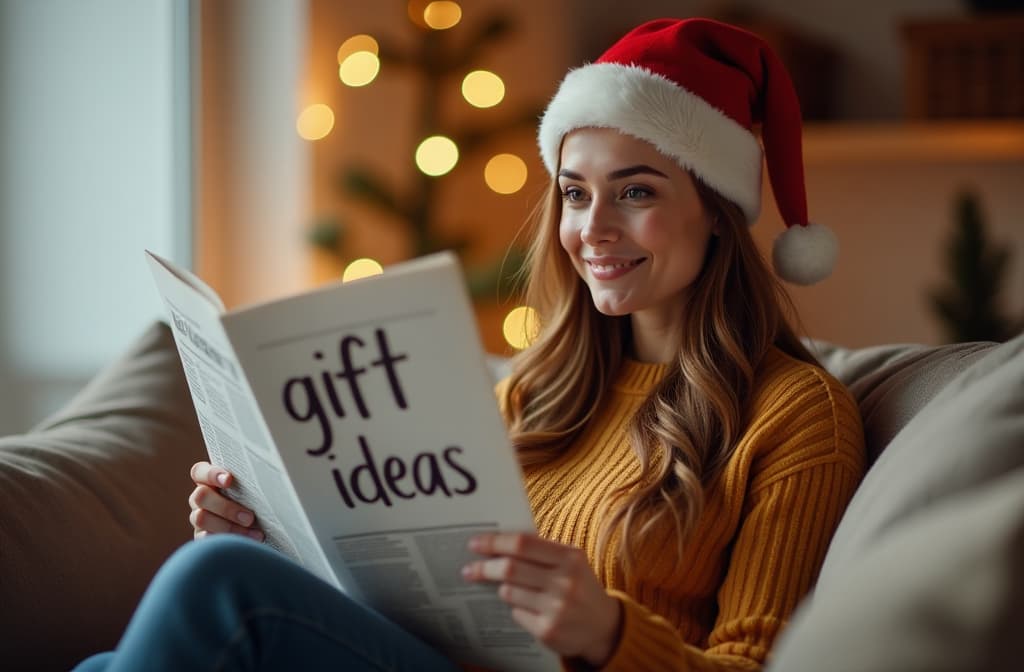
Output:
(696, 89)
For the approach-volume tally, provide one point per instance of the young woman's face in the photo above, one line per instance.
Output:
(632, 224)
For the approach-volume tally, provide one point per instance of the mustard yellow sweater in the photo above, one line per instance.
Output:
(760, 541)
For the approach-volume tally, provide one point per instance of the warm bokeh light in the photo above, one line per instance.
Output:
(442, 15)
(315, 122)
(436, 155)
(416, 10)
(482, 88)
(357, 43)
(359, 68)
(520, 327)
(361, 268)
(505, 173)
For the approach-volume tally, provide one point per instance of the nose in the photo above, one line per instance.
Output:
(599, 225)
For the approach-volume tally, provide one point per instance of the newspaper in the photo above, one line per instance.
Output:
(360, 423)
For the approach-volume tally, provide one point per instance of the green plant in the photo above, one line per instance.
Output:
(969, 305)
(436, 65)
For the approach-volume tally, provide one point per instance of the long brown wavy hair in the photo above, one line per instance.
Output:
(687, 428)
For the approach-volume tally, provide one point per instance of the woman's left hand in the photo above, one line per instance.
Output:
(552, 591)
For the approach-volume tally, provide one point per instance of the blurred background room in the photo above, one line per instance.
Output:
(274, 145)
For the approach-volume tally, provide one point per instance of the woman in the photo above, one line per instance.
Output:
(685, 459)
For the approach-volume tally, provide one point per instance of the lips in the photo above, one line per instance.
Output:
(610, 268)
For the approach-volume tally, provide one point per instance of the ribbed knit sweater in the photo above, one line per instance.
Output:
(759, 542)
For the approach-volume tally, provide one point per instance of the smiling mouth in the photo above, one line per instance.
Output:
(608, 271)
(618, 266)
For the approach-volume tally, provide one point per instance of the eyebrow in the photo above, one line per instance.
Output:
(640, 169)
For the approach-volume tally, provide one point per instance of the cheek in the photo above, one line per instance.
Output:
(568, 237)
(687, 242)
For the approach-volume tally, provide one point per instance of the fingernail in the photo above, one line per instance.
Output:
(467, 572)
(255, 534)
(222, 478)
(245, 518)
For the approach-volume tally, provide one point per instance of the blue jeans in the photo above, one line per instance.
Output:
(228, 603)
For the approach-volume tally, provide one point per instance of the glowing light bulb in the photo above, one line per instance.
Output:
(482, 88)
(520, 327)
(505, 173)
(442, 15)
(357, 43)
(436, 155)
(315, 122)
(416, 9)
(359, 68)
(361, 268)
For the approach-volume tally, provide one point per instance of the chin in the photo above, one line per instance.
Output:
(611, 309)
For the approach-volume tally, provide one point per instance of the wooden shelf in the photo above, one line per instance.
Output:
(913, 141)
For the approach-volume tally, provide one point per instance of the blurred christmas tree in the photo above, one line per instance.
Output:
(970, 305)
(435, 62)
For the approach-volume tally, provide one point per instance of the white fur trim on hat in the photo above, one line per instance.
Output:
(680, 124)
(805, 255)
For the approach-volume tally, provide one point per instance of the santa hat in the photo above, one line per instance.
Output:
(695, 89)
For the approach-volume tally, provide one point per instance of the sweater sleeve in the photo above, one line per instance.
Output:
(811, 463)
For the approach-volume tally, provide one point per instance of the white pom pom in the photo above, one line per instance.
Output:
(805, 255)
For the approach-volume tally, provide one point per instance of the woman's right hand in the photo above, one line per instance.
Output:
(212, 511)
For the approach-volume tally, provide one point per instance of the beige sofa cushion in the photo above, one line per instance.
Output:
(923, 572)
(892, 383)
(943, 593)
(91, 502)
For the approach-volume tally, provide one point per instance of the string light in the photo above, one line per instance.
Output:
(315, 122)
(505, 173)
(520, 327)
(482, 88)
(357, 43)
(361, 268)
(442, 15)
(359, 68)
(437, 155)
(416, 9)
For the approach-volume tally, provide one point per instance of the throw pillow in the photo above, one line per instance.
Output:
(91, 503)
(942, 593)
(965, 441)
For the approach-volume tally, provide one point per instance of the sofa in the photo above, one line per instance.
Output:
(925, 572)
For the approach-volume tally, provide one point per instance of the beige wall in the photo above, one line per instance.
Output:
(252, 173)
(893, 212)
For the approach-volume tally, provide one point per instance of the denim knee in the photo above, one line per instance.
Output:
(229, 598)
(214, 553)
(200, 568)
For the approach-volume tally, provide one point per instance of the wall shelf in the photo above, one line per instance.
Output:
(913, 142)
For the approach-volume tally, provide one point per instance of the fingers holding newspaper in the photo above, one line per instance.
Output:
(212, 511)
(553, 593)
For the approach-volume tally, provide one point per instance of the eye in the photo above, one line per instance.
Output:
(636, 193)
(573, 194)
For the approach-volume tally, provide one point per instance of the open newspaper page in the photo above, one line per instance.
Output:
(233, 429)
(379, 401)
